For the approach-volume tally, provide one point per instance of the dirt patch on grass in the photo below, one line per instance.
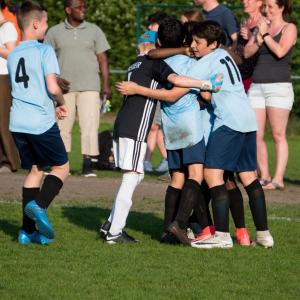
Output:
(93, 189)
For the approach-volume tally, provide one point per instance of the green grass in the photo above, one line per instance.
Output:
(80, 266)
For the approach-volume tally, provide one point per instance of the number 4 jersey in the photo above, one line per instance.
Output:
(230, 104)
(32, 108)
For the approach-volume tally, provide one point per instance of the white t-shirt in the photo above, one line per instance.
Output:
(8, 33)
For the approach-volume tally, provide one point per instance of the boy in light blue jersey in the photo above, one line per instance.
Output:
(232, 144)
(32, 69)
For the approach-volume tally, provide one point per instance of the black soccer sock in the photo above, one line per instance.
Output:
(200, 209)
(237, 207)
(189, 197)
(257, 204)
(172, 200)
(50, 188)
(220, 207)
(28, 194)
(207, 196)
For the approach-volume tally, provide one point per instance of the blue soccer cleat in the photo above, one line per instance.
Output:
(25, 238)
(38, 214)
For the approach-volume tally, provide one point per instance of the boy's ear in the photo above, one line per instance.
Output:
(35, 23)
(213, 45)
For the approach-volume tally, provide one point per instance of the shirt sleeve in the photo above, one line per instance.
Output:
(10, 33)
(161, 71)
(101, 43)
(49, 60)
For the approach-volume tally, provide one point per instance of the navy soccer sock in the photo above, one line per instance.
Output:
(28, 194)
(50, 188)
(172, 200)
(220, 207)
(237, 207)
(257, 204)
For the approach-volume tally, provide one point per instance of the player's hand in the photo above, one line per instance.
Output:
(63, 84)
(127, 87)
(106, 91)
(206, 96)
(61, 112)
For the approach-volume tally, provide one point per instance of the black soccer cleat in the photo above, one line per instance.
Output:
(104, 229)
(179, 233)
(120, 238)
(169, 238)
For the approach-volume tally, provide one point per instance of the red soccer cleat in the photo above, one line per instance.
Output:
(206, 233)
(242, 237)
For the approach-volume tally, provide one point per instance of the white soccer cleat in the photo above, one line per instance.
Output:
(264, 239)
(163, 166)
(218, 240)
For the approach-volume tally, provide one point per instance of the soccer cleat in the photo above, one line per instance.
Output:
(205, 234)
(218, 240)
(104, 229)
(148, 166)
(38, 214)
(179, 233)
(163, 166)
(120, 238)
(190, 234)
(169, 238)
(264, 239)
(242, 237)
(25, 238)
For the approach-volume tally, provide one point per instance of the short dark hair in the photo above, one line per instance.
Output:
(188, 30)
(171, 33)
(157, 17)
(211, 31)
(3, 4)
(28, 11)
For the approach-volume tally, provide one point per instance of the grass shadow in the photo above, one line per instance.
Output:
(91, 218)
(10, 228)
(292, 181)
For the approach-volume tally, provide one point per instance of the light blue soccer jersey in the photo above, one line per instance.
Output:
(230, 104)
(181, 120)
(207, 119)
(32, 108)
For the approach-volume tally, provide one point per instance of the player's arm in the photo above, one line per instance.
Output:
(167, 52)
(132, 88)
(103, 66)
(4, 51)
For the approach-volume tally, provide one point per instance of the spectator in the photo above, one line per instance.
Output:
(9, 14)
(213, 10)
(80, 47)
(191, 15)
(155, 136)
(9, 158)
(253, 9)
(271, 93)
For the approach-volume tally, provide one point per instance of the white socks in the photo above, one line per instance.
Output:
(123, 202)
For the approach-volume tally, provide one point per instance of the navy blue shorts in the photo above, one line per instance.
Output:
(178, 159)
(231, 150)
(44, 150)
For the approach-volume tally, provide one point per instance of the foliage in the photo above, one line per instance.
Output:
(118, 21)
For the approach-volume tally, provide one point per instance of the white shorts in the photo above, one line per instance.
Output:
(280, 95)
(129, 154)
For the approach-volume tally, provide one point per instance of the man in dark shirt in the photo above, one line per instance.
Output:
(213, 10)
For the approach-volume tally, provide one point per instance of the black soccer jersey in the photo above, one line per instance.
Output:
(136, 115)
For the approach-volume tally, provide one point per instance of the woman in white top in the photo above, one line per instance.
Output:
(9, 159)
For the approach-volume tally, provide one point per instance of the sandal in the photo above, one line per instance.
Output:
(264, 182)
(274, 186)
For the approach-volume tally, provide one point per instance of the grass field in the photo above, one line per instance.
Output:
(78, 265)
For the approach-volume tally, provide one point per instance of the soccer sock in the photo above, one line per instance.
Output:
(172, 199)
(220, 207)
(188, 200)
(50, 188)
(207, 196)
(237, 207)
(28, 194)
(123, 201)
(257, 204)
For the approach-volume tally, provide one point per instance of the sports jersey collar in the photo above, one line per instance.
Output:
(24, 43)
(69, 26)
